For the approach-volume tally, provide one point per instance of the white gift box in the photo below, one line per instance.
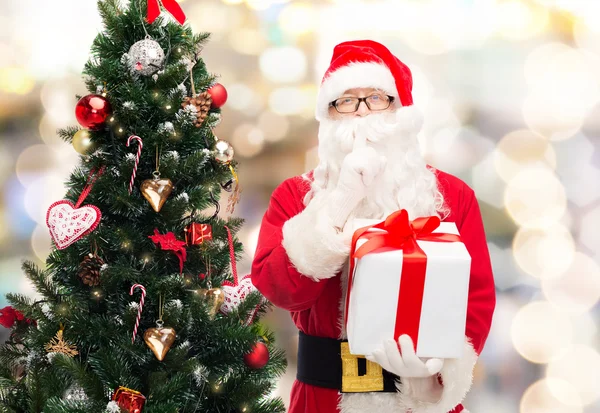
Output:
(373, 302)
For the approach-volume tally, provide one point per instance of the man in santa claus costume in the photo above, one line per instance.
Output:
(369, 166)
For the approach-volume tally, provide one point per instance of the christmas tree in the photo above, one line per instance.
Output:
(142, 308)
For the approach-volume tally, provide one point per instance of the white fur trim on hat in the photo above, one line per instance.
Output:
(409, 118)
(354, 75)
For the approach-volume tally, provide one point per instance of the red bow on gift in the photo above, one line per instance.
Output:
(401, 234)
(168, 242)
(172, 7)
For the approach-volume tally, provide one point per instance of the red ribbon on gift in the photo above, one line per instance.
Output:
(172, 7)
(401, 234)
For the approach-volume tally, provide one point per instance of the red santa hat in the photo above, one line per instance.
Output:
(368, 64)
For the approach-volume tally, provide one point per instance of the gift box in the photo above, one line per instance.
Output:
(131, 401)
(196, 233)
(408, 277)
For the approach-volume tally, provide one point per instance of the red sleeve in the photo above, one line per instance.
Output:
(272, 273)
(482, 292)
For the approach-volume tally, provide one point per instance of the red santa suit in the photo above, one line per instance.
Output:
(311, 287)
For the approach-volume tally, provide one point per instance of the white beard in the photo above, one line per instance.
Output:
(406, 182)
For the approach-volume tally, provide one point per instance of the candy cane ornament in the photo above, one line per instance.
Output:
(140, 307)
(137, 158)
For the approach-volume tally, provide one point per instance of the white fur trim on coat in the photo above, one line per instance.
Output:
(457, 376)
(312, 244)
(354, 75)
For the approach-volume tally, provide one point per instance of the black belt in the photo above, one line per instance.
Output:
(327, 362)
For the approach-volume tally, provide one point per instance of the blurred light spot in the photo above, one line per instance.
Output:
(551, 121)
(42, 193)
(426, 42)
(541, 397)
(438, 114)
(589, 234)
(578, 289)
(232, 1)
(310, 91)
(247, 41)
(289, 101)
(283, 64)
(248, 140)
(263, 4)
(468, 147)
(252, 240)
(311, 159)
(298, 18)
(58, 97)
(7, 159)
(487, 183)
(535, 198)
(15, 80)
(585, 328)
(47, 129)
(564, 89)
(540, 332)
(213, 17)
(544, 252)
(581, 192)
(506, 272)
(520, 149)
(580, 367)
(4, 227)
(446, 27)
(423, 91)
(34, 161)
(518, 20)
(587, 33)
(240, 96)
(41, 243)
(538, 59)
(274, 126)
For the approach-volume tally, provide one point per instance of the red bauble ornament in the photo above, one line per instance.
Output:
(129, 400)
(218, 94)
(92, 111)
(258, 357)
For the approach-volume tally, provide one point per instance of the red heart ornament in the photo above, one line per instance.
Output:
(68, 224)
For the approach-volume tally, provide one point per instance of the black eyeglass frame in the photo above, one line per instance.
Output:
(360, 100)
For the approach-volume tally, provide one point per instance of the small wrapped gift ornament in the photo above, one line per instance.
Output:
(196, 234)
(408, 277)
(130, 400)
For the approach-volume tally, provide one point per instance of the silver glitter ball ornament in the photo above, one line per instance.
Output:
(146, 57)
(75, 393)
(223, 152)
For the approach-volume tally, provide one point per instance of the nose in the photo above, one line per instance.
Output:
(363, 109)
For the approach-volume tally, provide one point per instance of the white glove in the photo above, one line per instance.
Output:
(404, 362)
(359, 169)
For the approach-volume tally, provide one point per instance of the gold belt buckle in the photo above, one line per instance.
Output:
(351, 381)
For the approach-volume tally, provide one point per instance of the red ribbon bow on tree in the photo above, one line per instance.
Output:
(9, 316)
(170, 5)
(401, 233)
(168, 242)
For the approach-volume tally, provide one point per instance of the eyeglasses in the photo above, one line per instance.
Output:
(374, 102)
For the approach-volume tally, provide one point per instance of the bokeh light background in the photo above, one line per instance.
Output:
(510, 91)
